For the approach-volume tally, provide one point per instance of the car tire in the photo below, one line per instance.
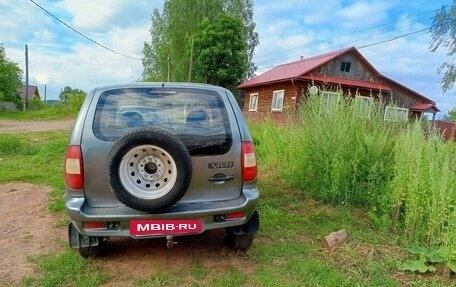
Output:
(149, 169)
(92, 251)
(96, 244)
(240, 242)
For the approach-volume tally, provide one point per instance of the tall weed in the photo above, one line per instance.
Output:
(343, 155)
(423, 187)
(338, 154)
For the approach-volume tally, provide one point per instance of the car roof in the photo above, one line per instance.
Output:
(221, 90)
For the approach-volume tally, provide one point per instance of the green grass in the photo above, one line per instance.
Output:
(65, 269)
(47, 113)
(35, 158)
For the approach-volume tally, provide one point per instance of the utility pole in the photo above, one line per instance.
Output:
(26, 79)
(191, 62)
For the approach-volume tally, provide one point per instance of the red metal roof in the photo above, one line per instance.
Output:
(293, 69)
(348, 82)
(424, 107)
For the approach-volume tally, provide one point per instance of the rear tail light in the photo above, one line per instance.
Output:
(74, 174)
(249, 163)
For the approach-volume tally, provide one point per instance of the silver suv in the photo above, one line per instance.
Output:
(160, 160)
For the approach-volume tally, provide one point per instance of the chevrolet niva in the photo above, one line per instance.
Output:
(149, 160)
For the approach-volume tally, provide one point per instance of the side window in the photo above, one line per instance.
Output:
(396, 114)
(277, 100)
(329, 100)
(253, 103)
(365, 106)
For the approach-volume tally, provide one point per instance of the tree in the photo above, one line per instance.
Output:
(443, 32)
(220, 51)
(69, 92)
(244, 10)
(10, 79)
(169, 54)
(73, 98)
(451, 116)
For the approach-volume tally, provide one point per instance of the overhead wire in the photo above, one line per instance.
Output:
(362, 30)
(81, 34)
(375, 43)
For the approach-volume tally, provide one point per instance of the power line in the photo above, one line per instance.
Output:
(360, 31)
(79, 33)
(344, 44)
(395, 38)
(372, 44)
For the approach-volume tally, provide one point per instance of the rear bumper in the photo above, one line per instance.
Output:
(79, 212)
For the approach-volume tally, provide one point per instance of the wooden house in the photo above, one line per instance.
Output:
(346, 72)
(32, 92)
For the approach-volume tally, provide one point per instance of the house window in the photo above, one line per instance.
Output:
(364, 105)
(396, 114)
(345, 67)
(253, 103)
(277, 100)
(329, 101)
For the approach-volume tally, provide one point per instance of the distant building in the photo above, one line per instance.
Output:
(447, 129)
(346, 71)
(32, 92)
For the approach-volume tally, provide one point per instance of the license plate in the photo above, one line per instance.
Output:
(165, 227)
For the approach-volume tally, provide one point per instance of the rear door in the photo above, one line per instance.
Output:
(200, 117)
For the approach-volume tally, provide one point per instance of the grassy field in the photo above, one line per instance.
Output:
(287, 251)
(52, 112)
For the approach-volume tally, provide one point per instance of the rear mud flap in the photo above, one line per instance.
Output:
(251, 227)
(78, 240)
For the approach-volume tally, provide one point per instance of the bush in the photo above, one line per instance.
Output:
(74, 102)
(344, 156)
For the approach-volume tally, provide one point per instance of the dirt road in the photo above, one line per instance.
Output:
(14, 126)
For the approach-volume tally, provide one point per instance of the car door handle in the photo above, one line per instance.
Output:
(221, 177)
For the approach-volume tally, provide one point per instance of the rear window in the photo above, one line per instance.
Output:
(197, 117)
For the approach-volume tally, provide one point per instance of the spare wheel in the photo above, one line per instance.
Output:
(149, 169)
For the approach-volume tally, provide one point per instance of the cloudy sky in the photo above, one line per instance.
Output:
(391, 34)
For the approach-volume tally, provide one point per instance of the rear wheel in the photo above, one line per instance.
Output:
(92, 251)
(88, 246)
(241, 237)
(238, 241)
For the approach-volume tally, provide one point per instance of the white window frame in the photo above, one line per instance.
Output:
(277, 100)
(396, 114)
(366, 104)
(328, 100)
(253, 102)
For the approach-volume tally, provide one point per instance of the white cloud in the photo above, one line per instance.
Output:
(92, 15)
(363, 14)
(102, 15)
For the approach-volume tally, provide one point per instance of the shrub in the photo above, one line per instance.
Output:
(342, 155)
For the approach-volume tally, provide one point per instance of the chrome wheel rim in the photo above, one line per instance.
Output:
(148, 172)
